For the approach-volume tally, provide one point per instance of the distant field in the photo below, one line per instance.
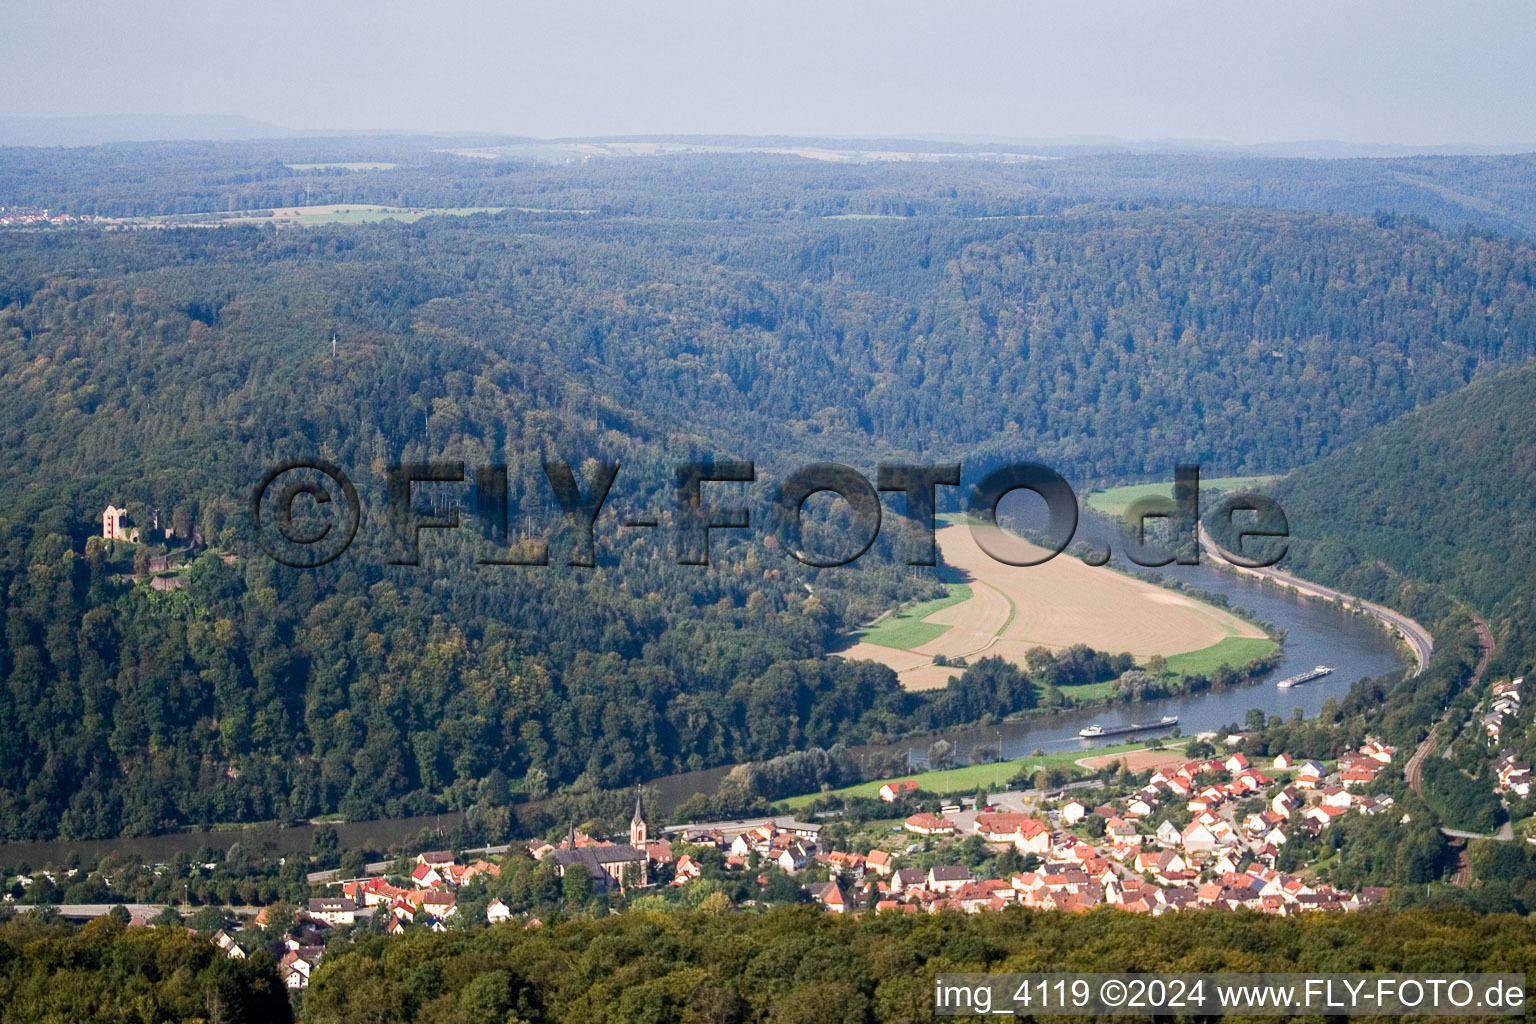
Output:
(567, 152)
(907, 629)
(972, 776)
(1012, 609)
(1115, 500)
(359, 213)
(356, 166)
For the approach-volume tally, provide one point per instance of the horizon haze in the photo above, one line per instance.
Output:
(1416, 76)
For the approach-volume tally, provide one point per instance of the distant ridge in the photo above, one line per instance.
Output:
(107, 128)
(102, 128)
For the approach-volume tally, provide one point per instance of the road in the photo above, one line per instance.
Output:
(85, 911)
(1418, 639)
(1505, 833)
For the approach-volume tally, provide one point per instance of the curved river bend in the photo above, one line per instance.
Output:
(1318, 633)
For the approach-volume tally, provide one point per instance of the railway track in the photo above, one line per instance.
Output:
(1414, 771)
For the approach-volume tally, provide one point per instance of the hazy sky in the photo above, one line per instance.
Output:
(1408, 71)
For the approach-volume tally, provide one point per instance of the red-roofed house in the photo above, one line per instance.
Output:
(1028, 835)
(925, 824)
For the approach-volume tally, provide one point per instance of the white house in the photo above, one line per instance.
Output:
(1197, 837)
(333, 911)
(948, 878)
(794, 858)
(1139, 807)
(1028, 835)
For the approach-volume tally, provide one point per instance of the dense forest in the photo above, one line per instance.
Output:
(1431, 513)
(802, 965)
(1440, 497)
(106, 972)
(169, 369)
(789, 965)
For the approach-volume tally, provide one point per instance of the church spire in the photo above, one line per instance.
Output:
(637, 830)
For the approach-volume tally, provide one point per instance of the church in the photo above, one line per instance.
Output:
(609, 865)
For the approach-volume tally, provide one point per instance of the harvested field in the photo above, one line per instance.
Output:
(1062, 602)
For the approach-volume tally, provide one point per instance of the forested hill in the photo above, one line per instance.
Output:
(1442, 495)
(169, 369)
(1109, 343)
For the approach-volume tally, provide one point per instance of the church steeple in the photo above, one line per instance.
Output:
(637, 832)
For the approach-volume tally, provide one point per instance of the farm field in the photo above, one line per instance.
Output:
(909, 628)
(355, 165)
(1055, 605)
(1232, 650)
(1113, 501)
(1143, 760)
(305, 216)
(355, 213)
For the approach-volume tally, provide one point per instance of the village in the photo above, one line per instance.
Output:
(1063, 855)
(1161, 830)
(1155, 830)
(1079, 857)
(1148, 829)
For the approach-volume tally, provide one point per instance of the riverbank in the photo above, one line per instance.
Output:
(1419, 641)
(965, 778)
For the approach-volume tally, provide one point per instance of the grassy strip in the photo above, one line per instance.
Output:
(1235, 651)
(973, 776)
(1090, 692)
(906, 629)
(1114, 501)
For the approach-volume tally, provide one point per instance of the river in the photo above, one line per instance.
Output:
(1318, 633)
